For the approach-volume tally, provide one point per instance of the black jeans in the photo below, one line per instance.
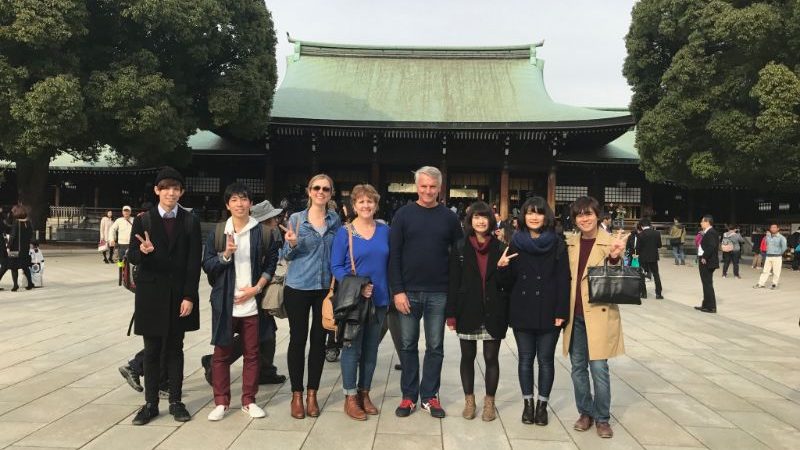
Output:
(172, 348)
(298, 303)
(652, 269)
(707, 278)
(137, 366)
(727, 259)
(539, 344)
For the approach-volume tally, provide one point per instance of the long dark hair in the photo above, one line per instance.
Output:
(537, 205)
(479, 208)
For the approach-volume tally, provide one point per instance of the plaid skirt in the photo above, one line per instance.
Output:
(478, 335)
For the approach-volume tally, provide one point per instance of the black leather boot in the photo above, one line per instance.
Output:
(541, 413)
(527, 411)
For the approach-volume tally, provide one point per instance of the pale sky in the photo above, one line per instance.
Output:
(584, 45)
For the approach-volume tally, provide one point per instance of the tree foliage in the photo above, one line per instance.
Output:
(139, 76)
(716, 91)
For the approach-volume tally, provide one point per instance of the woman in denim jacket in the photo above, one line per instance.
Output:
(307, 248)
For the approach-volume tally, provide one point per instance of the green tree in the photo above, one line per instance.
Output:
(716, 91)
(138, 76)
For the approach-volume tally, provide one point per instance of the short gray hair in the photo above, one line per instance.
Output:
(430, 171)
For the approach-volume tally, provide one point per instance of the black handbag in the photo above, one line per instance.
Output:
(616, 284)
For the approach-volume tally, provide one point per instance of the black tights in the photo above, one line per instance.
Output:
(469, 349)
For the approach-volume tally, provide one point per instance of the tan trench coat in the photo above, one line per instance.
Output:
(603, 321)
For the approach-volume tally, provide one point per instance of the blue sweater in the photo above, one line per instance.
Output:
(372, 260)
(420, 248)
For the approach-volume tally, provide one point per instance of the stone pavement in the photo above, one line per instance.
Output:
(689, 380)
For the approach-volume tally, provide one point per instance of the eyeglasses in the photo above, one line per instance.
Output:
(321, 188)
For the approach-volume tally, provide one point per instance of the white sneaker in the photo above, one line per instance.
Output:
(217, 413)
(254, 411)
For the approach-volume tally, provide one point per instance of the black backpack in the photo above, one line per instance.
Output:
(219, 244)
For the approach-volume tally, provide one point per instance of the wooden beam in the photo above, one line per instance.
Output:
(504, 194)
(551, 188)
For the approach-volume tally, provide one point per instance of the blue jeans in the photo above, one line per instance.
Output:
(678, 254)
(530, 344)
(429, 306)
(598, 407)
(359, 359)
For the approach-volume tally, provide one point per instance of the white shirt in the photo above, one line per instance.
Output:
(162, 211)
(242, 267)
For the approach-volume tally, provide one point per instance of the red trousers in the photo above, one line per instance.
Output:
(247, 327)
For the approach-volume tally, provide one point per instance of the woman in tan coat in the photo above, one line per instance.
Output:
(594, 331)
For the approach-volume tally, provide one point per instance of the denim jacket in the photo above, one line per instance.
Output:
(310, 259)
(776, 244)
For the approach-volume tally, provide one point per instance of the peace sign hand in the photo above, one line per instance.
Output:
(505, 259)
(145, 246)
(618, 244)
(291, 235)
(230, 247)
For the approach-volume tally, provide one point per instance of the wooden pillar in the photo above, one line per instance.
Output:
(57, 200)
(269, 179)
(314, 159)
(375, 169)
(96, 196)
(443, 191)
(504, 193)
(551, 187)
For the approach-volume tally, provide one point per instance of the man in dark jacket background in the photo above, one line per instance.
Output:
(648, 244)
(708, 252)
(168, 263)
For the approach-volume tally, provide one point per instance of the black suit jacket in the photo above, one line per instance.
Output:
(167, 275)
(649, 243)
(710, 245)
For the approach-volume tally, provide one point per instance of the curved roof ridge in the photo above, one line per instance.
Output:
(336, 49)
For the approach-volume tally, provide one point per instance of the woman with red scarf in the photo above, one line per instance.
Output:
(477, 305)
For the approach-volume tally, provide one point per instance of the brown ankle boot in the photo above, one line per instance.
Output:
(366, 403)
(488, 409)
(312, 408)
(469, 407)
(297, 405)
(353, 409)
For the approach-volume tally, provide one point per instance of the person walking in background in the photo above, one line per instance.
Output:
(370, 253)
(773, 262)
(18, 248)
(168, 260)
(758, 255)
(605, 224)
(594, 331)
(794, 242)
(423, 232)
(308, 241)
(649, 242)
(731, 247)
(477, 305)
(708, 262)
(119, 235)
(539, 306)
(677, 234)
(105, 227)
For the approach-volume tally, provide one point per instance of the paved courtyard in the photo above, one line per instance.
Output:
(689, 380)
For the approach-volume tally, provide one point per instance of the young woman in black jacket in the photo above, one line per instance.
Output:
(477, 305)
(539, 305)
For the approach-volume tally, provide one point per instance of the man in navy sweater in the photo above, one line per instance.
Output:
(421, 236)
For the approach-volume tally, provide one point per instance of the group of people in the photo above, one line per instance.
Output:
(426, 271)
(115, 235)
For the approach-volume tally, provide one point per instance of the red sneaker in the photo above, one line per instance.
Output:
(405, 408)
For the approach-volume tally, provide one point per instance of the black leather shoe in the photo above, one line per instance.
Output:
(659, 297)
(205, 361)
(179, 412)
(398, 367)
(146, 413)
(527, 411)
(540, 417)
(705, 310)
(131, 377)
(272, 379)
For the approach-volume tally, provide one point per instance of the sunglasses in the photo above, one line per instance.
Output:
(321, 188)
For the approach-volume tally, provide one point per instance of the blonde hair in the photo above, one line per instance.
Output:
(319, 176)
(365, 190)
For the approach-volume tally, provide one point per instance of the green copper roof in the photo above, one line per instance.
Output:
(619, 151)
(424, 85)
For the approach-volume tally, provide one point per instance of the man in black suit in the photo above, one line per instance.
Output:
(168, 263)
(709, 262)
(648, 244)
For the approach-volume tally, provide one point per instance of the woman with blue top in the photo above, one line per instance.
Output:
(307, 248)
(371, 255)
